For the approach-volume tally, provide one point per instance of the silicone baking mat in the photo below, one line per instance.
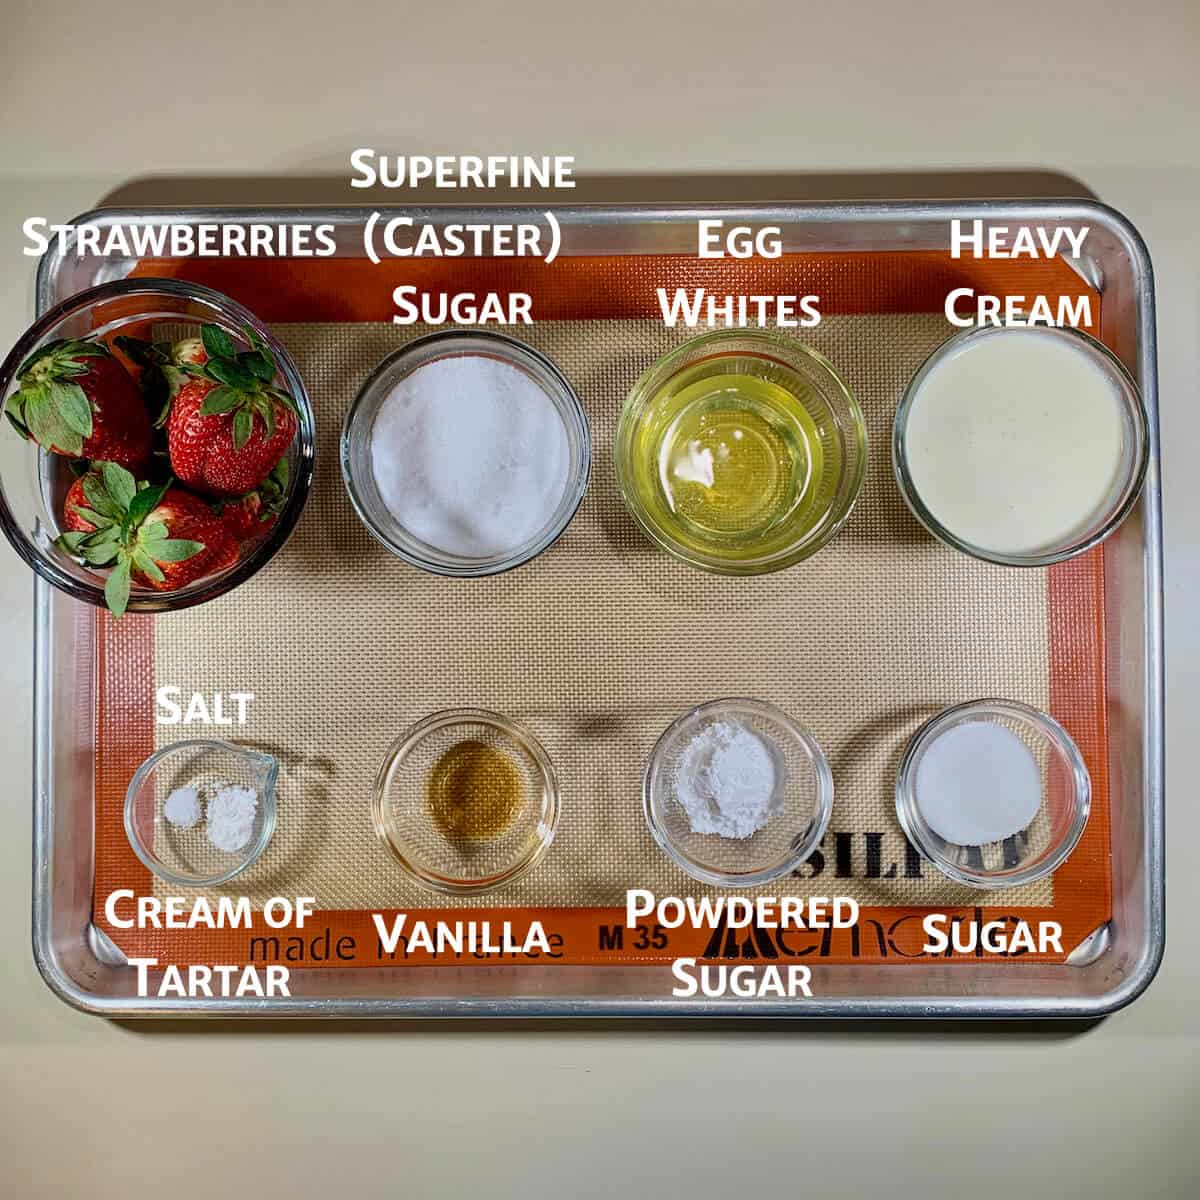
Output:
(603, 640)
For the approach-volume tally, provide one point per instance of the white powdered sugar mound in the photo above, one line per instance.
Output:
(725, 779)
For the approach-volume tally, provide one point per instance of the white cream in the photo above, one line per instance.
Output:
(1017, 441)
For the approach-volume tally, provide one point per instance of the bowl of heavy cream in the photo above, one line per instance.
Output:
(466, 453)
(1023, 446)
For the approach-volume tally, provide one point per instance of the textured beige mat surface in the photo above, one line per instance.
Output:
(601, 642)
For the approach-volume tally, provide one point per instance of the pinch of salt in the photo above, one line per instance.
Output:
(182, 807)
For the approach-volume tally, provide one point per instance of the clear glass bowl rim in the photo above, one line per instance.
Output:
(771, 345)
(823, 777)
(399, 750)
(914, 829)
(203, 589)
(509, 349)
(267, 800)
(1129, 492)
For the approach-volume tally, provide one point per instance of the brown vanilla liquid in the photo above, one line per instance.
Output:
(474, 792)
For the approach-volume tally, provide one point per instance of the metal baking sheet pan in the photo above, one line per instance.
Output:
(865, 255)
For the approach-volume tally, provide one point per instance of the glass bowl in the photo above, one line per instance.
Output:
(514, 800)
(1055, 829)
(186, 857)
(803, 798)
(33, 483)
(359, 475)
(1127, 485)
(834, 434)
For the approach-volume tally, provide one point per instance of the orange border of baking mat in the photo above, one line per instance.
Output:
(328, 290)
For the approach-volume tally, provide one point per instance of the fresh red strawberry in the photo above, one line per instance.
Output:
(188, 517)
(252, 515)
(76, 399)
(73, 506)
(244, 517)
(160, 537)
(229, 424)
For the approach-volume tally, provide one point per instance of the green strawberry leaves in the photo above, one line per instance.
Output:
(233, 372)
(119, 483)
(260, 360)
(143, 503)
(217, 343)
(56, 414)
(72, 542)
(245, 383)
(220, 400)
(173, 550)
(243, 427)
(100, 553)
(124, 538)
(49, 406)
(65, 352)
(141, 558)
(17, 423)
(261, 365)
(116, 590)
(273, 490)
(72, 406)
(96, 491)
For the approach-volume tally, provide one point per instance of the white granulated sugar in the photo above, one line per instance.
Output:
(231, 816)
(470, 455)
(726, 781)
(978, 783)
(182, 807)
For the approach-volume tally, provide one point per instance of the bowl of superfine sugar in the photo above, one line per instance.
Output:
(466, 453)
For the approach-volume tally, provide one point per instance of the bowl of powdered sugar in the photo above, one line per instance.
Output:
(199, 812)
(466, 453)
(737, 793)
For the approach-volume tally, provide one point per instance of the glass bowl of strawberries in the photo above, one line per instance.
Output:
(160, 447)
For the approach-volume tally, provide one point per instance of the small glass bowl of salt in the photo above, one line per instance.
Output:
(993, 793)
(466, 453)
(737, 793)
(199, 812)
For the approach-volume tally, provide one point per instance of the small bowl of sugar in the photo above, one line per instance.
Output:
(993, 793)
(737, 793)
(466, 453)
(199, 812)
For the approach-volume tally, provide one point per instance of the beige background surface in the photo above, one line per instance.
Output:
(1108, 93)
